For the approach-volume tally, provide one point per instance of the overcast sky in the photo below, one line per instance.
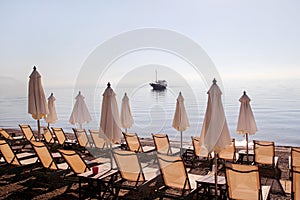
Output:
(243, 38)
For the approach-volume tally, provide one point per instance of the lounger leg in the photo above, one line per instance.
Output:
(281, 188)
(79, 187)
(117, 193)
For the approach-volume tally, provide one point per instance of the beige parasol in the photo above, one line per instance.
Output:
(52, 116)
(126, 116)
(246, 122)
(37, 104)
(110, 119)
(80, 113)
(180, 120)
(215, 133)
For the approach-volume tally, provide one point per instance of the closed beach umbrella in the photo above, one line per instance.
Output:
(180, 120)
(80, 113)
(52, 116)
(110, 118)
(215, 133)
(126, 116)
(246, 122)
(37, 104)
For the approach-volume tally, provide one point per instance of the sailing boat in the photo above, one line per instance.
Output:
(158, 84)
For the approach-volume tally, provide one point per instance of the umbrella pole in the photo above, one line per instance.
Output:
(180, 142)
(111, 156)
(216, 175)
(247, 148)
(39, 131)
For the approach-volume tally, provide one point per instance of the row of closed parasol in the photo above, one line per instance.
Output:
(110, 121)
(214, 121)
(215, 133)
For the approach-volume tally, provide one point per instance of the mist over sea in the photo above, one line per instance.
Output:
(275, 104)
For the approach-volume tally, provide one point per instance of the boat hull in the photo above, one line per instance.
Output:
(156, 86)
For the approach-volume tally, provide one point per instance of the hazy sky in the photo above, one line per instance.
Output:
(244, 38)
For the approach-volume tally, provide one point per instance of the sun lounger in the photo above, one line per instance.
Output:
(133, 176)
(47, 158)
(20, 156)
(80, 166)
(294, 159)
(243, 182)
(27, 132)
(48, 136)
(82, 138)
(264, 153)
(162, 145)
(296, 183)
(7, 136)
(198, 157)
(229, 153)
(83, 141)
(178, 184)
(61, 137)
(134, 144)
(100, 141)
(102, 147)
(264, 157)
(16, 161)
(17, 142)
(54, 171)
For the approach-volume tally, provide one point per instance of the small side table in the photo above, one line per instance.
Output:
(243, 154)
(207, 182)
(104, 179)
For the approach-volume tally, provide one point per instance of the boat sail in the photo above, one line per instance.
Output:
(158, 84)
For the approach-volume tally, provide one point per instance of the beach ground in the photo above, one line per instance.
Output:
(31, 185)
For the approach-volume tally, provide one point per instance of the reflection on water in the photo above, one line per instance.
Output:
(156, 94)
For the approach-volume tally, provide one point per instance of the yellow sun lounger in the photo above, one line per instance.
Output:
(243, 182)
(134, 177)
(134, 144)
(14, 160)
(162, 145)
(178, 183)
(296, 183)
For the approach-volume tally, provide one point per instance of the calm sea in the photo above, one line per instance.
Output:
(275, 104)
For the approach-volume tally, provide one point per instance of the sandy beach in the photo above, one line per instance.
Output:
(29, 186)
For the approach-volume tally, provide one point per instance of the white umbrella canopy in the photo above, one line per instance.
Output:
(37, 104)
(52, 115)
(80, 113)
(246, 122)
(126, 116)
(110, 118)
(215, 133)
(180, 120)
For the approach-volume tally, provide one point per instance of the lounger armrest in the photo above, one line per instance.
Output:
(148, 149)
(265, 192)
(236, 157)
(148, 182)
(276, 161)
(290, 162)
